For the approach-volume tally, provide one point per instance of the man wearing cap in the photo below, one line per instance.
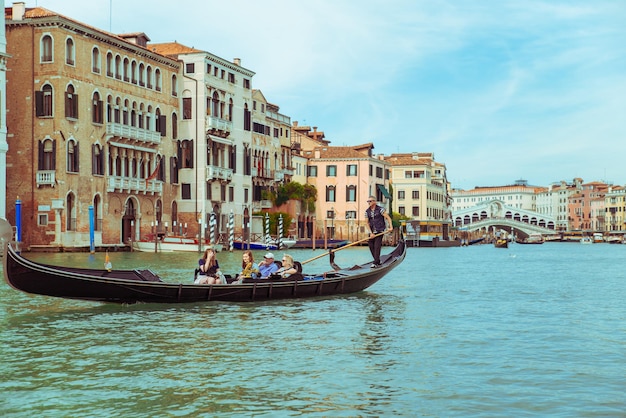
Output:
(267, 266)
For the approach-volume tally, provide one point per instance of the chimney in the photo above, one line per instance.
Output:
(19, 10)
(237, 61)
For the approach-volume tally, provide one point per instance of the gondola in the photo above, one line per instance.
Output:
(501, 243)
(133, 286)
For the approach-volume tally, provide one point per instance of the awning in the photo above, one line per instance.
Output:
(384, 191)
(220, 140)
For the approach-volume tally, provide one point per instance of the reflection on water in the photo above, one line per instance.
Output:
(532, 330)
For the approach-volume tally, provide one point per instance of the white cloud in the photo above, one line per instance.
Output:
(536, 87)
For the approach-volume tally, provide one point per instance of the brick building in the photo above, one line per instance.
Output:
(92, 131)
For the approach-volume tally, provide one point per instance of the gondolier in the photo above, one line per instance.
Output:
(377, 219)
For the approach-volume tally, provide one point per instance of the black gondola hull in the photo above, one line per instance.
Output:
(132, 286)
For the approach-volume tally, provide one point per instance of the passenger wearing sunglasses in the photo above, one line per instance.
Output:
(377, 220)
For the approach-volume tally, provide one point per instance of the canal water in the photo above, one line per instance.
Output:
(532, 330)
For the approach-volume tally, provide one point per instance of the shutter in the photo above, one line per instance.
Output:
(54, 155)
(40, 156)
(39, 111)
(76, 158)
(162, 125)
(75, 106)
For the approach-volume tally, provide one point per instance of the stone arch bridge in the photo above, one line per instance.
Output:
(495, 214)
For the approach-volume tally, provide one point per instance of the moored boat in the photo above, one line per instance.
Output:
(173, 244)
(531, 239)
(131, 286)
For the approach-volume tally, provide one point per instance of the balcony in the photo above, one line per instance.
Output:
(219, 173)
(133, 185)
(132, 132)
(218, 126)
(46, 178)
(265, 173)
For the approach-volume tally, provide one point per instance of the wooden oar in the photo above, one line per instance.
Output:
(344, 247)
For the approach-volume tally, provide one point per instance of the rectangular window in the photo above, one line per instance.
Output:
(351, 214)
(185, 191)
(331, 171)
(350, 193)
(415, 194)
(42, 219)
(379, 172)
(351, 170)
(231, 194)
(312, 171)
(190, 68)
(416, 211)
(246, 83)
(400, 194)
(231, 78)
(401, 210)
(186, 107)
(408, 174)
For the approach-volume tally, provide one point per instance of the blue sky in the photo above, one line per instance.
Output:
(498, 90)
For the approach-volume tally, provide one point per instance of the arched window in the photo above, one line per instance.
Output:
(44, 102)
(149, 77)
(126, 70)
(330, 194)
(118, 67)
(72, 156)
(97, 211)
(47, 49)
(71, 103)
(97, 160)
(109, 64)
(47, 159)
(97, 109)
(174, 126)
(70, 221)
(117, 110)
(133, 72)
(157, 79)
(95, 60)
(174, 85)
(69, 52)
(142, 80)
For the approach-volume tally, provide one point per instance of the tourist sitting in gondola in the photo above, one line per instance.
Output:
(209, 269)
(288, 268)
(267, 266)
(249, 269)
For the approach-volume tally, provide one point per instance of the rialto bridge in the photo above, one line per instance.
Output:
(494, 215)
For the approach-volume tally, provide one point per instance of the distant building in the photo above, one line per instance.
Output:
(519, 195)
(420, 186)
(615, 209)
(344, 177)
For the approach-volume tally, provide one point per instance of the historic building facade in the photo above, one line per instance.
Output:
(92, 129)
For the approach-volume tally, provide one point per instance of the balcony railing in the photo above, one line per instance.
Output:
(133, 185)
(46, 178)
(218, 173)
(132, 132)
(265, 173)
(218, 125)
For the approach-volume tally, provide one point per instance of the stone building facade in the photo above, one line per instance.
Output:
(91, 130)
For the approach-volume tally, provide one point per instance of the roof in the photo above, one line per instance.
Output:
(351, 152)
(172, 48)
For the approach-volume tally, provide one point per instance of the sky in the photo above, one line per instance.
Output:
(497, 90)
